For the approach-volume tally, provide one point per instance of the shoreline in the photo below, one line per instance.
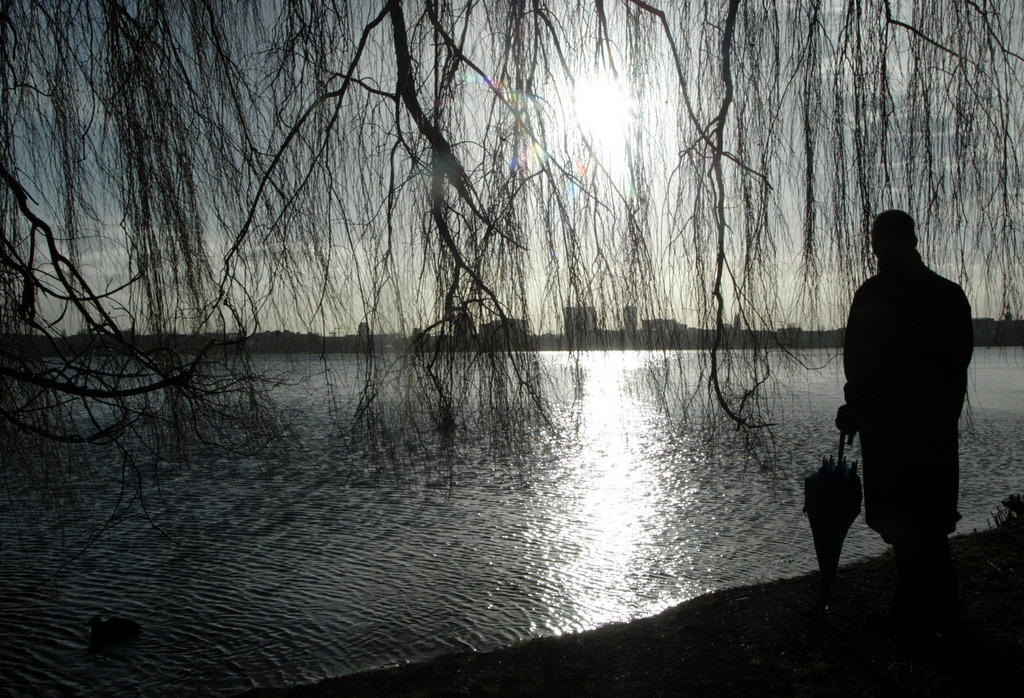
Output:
(771, 638)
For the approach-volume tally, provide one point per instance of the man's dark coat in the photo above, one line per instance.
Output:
(908, 344)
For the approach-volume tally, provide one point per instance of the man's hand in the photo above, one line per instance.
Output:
(847, 420)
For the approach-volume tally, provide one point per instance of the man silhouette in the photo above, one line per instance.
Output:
(908, 344)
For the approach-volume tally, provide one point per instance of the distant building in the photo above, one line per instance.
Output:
(664, 332)
(662, 325)
(508, 334)
(986, 330)
(463, 328)
(514, 326)
(364, 341)
(789, 336)
(580, 324)
(629, 320)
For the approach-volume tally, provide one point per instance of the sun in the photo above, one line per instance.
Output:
(605, 113)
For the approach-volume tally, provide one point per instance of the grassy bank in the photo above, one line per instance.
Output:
(768, 639)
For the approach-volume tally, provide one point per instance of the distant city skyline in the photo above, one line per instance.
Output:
(514, 334)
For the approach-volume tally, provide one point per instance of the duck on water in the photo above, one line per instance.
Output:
(111, 631)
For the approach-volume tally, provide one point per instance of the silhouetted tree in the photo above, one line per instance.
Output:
(194, 172)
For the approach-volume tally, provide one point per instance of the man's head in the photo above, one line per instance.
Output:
(892, 233)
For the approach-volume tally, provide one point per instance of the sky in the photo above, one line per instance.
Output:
(591, 181)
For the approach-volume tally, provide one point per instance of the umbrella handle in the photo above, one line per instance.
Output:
(843, 440)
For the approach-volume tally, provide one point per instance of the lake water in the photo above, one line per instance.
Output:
(272, 573)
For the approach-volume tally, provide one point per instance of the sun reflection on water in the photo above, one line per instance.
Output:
(610, 491)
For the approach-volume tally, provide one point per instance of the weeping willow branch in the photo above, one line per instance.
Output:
(718, 140)
(180, 178)
(335, 96)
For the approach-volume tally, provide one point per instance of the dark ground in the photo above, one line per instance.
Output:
(768, 639)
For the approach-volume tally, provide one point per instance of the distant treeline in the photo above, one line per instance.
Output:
(987, 332)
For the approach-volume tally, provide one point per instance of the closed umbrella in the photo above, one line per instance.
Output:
(832, 498)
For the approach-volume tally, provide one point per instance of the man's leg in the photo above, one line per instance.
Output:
(926, 589)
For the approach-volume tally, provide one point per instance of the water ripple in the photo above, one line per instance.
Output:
(284, 575)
